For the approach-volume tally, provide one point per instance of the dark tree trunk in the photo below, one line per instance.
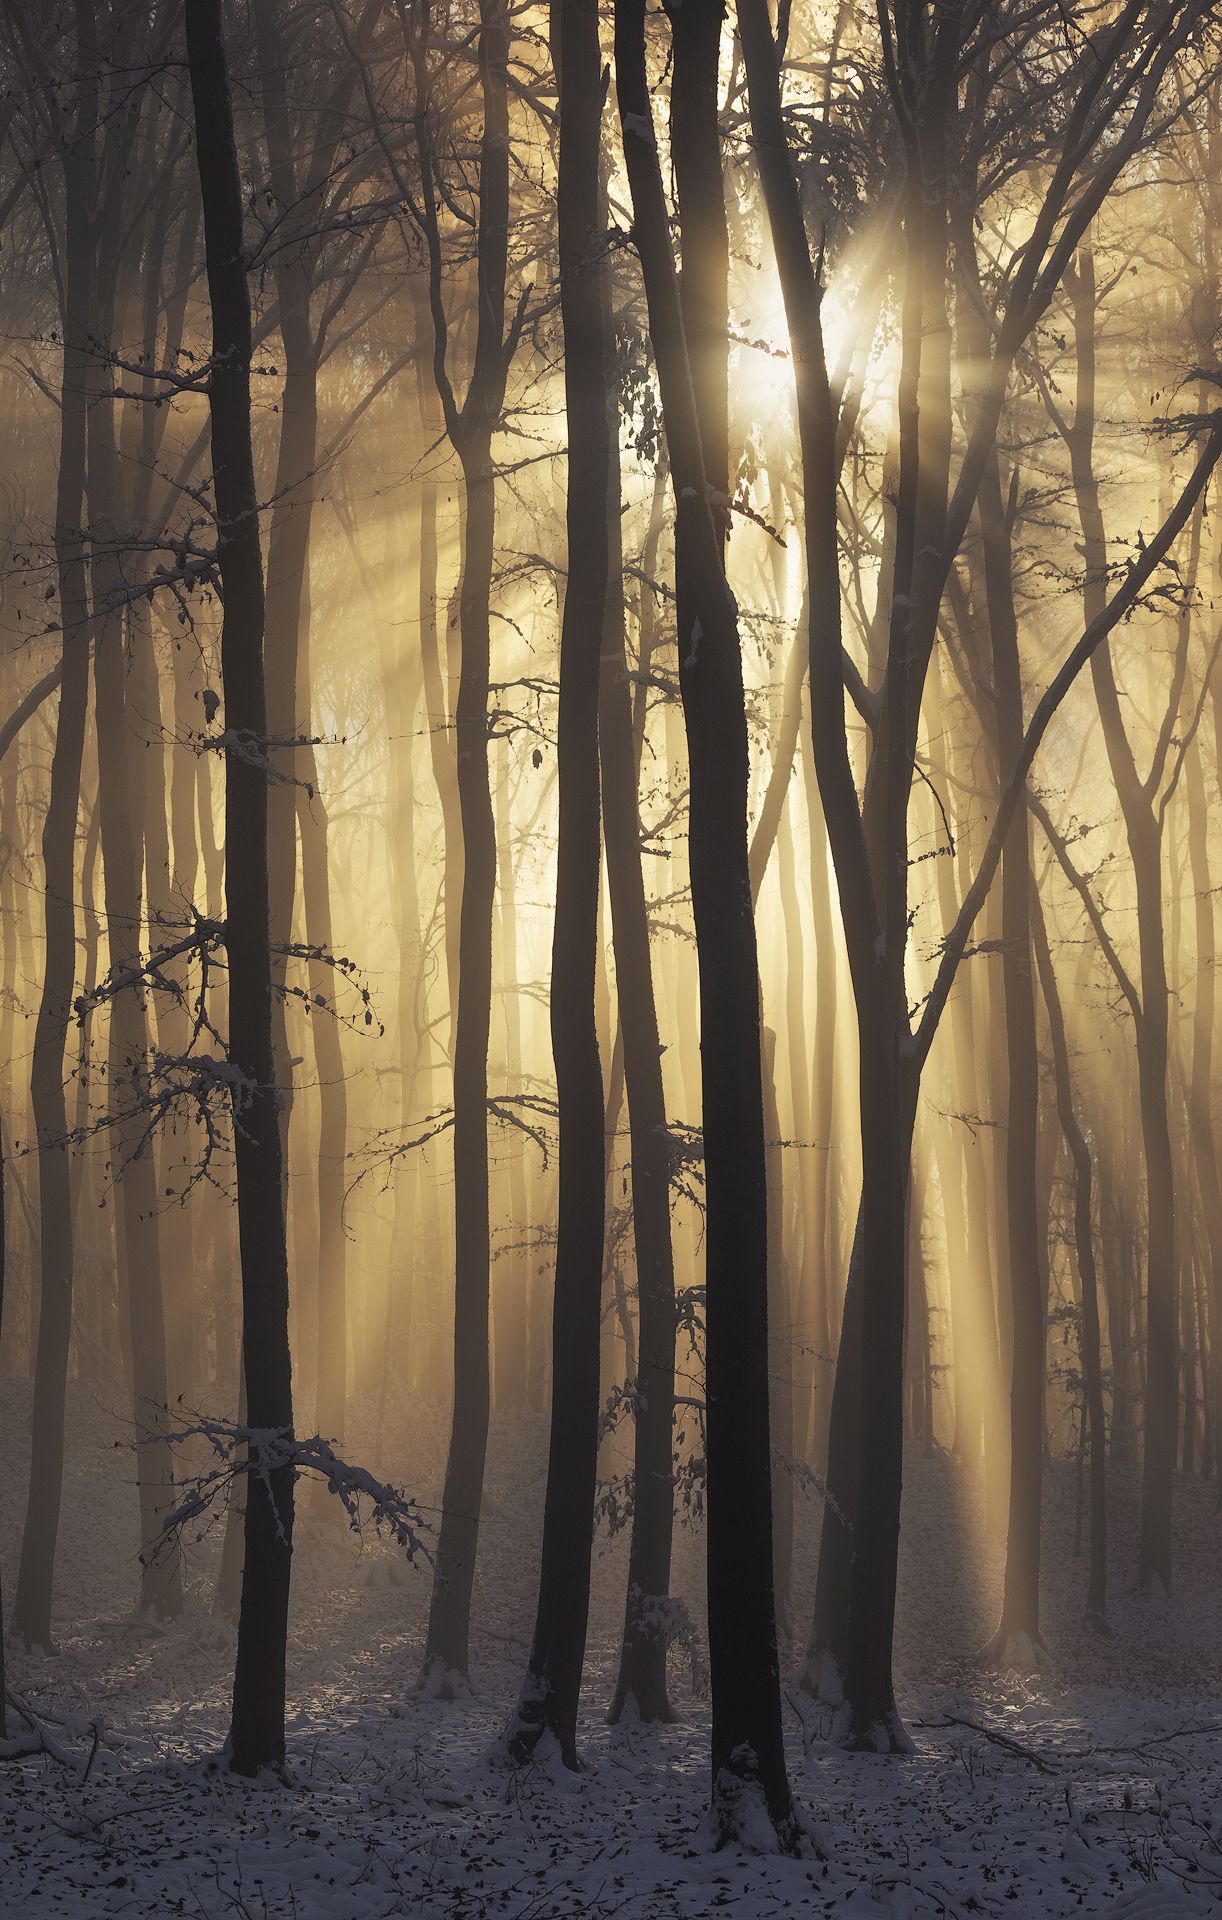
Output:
(704, 284)
(35, 1574)
(3, 1278)
(642, 1668)
(256, 1737)
(549, 1698)
(748, 1762)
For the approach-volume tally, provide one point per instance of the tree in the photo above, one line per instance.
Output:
(550, 1694)
(470, 428)
(32, 1601)
(748, 1764)
(256, 1737)
(1109, 95)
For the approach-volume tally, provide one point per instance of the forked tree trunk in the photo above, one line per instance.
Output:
(749, 1781)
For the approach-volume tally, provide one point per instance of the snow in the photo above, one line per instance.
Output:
(1093, 1787)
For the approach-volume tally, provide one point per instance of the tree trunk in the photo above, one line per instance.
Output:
(256, 1737)
(549, 1698)
(749, 1781)
(128, 1063)
(1084, 1250)
(35, 1574)
(1018, 1632)
(1143, 826)
(642, 1668)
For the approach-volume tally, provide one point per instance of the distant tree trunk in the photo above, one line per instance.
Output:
(511, 1291)
(470, 428)
(1084, 1252)
(973, 1326)
(812, 1334)
(35, 1574)
(549, 1697)
(1020, 1612)
(1143, 818)
(439, 719)
(748, 1763)
(140, 1242)
(447, 1648)
(256, 1737)
(332, 1161)
(1200, 1093)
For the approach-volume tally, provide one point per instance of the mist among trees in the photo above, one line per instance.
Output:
(610, 741)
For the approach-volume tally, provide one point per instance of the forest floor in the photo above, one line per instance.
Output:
(1096, 1785)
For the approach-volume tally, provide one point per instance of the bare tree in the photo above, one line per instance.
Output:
(256, 1738)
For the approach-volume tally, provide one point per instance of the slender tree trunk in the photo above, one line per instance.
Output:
(3, 1281)
(447, 1655)
(511, 1290)
(1200, 1107)
(32, 1602)
(128, 1065)
(780, 1322)
(642, 1668)
(256, 1738)
(1019, 1629)
(1143, 825)
(1084, 1252)
(470, 428)
(549, 1698)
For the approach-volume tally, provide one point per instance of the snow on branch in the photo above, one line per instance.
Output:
(263, 1451)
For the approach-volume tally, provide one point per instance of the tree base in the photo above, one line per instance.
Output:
(644, 1707)
(35, 1640)
(876, 1732)
(532, 1736)
(822, 1678)
(740, 1816)
(1017, 1650)
(441, 1682)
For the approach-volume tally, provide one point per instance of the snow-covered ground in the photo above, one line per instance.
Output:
(1097, 1787)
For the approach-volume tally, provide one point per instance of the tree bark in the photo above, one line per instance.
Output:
(550, 1695)
(35, 1574)
(1084, 1251)
(256, 1736)
(748, 1765)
